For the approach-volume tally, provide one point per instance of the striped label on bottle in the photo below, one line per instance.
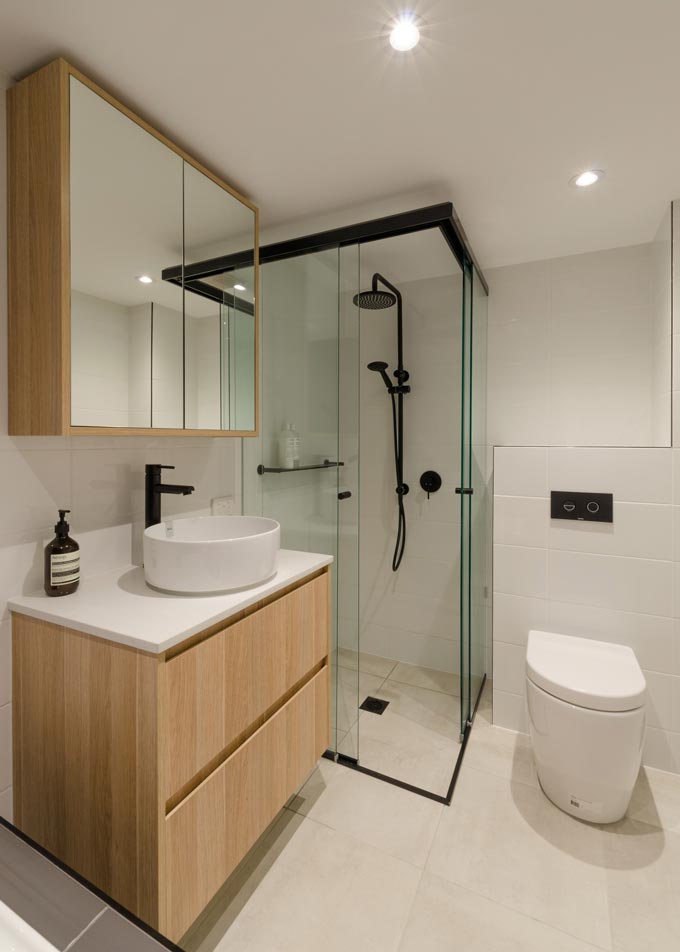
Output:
(64, 568)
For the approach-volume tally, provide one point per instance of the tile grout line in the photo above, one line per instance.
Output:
(87, 927)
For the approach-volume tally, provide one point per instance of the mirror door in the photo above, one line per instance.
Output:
(163, 282)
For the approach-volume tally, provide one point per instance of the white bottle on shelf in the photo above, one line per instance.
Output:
(289, 447)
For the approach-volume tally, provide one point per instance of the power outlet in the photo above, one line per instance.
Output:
(223, 506)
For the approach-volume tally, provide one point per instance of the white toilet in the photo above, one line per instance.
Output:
(586, 703)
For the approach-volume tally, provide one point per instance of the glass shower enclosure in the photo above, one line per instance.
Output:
(392, 457)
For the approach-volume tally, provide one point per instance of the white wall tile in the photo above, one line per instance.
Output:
(510, 711)
(639, 530)
(636, 585)
(632, 475)
(520, 571)
(442, 654)
(650, 636)
(660, 699)
(514, 616)
(521, 471)
(521, 520)
(509, 668)
(661, 750)
(413, 615)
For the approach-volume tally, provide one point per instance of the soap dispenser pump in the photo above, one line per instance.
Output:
(62, 560)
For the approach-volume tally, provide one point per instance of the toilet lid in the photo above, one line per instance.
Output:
(593, 674)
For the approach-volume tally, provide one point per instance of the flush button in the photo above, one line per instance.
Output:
(581, 507)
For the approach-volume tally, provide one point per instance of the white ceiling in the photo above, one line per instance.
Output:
(500, 105)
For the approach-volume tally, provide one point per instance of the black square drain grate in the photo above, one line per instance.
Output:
(374, 705)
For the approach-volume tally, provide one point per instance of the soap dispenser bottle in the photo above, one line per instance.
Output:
(289, 447)
(62, 560)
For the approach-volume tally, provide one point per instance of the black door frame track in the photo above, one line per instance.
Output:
(353, 764)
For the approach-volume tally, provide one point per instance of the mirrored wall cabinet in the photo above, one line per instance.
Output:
(123, 316)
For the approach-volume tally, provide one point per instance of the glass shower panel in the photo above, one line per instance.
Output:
(465, 501)
(345, 671)
(480, 524)
(299, 381)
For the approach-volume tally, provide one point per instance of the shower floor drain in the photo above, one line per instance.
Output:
(374, 705)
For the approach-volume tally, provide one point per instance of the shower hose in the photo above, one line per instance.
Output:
(402, 489)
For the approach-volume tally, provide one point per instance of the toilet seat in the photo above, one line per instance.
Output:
(594, 675)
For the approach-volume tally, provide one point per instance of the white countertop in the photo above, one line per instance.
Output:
(120, 606)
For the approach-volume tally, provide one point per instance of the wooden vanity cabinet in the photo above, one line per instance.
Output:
(153, 775)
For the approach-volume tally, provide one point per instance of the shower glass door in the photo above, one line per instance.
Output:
(465, 488)
(299, 359)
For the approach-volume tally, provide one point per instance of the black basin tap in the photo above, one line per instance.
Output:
(154, 487)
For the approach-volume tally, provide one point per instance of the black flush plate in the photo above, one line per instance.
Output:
(374, 705)
(582, 507)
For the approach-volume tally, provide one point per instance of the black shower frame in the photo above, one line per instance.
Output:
(442, 216)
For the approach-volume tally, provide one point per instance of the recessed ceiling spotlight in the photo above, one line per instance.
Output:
(587, 178)
(239, 287)
(144, 279)
(405, 33)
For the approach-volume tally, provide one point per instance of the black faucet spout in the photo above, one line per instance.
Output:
(174, 490)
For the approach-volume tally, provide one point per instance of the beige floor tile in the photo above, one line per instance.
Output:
(426, 678)
(507, 842)
(317, 889)
(447, 918)
(643, 884)
(395, 821)
(500, 752)
(430, 709)
(405, 750)
(656, 799)
(368, 663)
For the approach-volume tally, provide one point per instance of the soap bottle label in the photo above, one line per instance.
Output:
(64, 568)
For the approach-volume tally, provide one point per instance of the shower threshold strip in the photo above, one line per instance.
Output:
(354, 764)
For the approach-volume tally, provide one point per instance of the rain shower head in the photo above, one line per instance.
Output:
(375, 300)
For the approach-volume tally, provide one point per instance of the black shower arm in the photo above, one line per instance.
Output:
(397, 293)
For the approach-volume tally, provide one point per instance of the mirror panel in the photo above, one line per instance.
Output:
(126, 221)
(219, 306)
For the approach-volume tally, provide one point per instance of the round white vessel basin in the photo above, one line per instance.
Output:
(211, 553)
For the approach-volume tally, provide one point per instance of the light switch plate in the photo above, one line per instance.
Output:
(223, 506)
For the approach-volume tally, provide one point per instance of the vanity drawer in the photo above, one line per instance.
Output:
(223, 687)
(210, 832)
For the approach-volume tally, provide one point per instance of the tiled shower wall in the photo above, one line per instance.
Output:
(101, 479)
(615, 582)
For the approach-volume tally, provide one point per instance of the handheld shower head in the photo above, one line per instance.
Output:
(379, 366)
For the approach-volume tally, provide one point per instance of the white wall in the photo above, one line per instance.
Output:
(573, 358)
(100, 478)
(616, 582)
(100, 349)
(413, 615)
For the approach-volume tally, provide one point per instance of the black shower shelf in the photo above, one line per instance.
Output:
(327, 464)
